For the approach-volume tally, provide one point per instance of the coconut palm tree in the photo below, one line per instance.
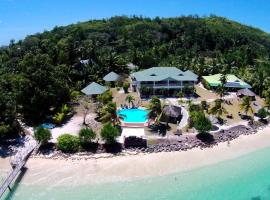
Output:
(154, 107)
(130, 99)
(223, 80)
(218, 109)
(246, 105)
(109, 114)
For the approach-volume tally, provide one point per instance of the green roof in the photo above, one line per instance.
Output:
(164, 73)
(232, 81)
(94, 89)
(112, 76)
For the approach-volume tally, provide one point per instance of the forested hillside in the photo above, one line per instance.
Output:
(40, 72)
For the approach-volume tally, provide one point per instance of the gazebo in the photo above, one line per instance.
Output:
(94, 89)
(246, 92)
(111, 77)
(172, 112)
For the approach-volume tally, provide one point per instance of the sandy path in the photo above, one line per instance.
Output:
(80, 172)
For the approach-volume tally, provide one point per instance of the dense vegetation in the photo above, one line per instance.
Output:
(39, 74)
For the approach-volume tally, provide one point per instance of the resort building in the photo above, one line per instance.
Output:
(233, 83)
(162, 81)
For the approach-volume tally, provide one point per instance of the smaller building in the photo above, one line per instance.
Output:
(111, 77)
(94, 89)
(233, 82)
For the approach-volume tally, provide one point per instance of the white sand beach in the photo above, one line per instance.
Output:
(93, 171)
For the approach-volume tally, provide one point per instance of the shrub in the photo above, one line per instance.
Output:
(59, 117)
(86, 135)
(200, 122)
(68, 143)
(62, 114)
(4, 129)
(65, 109)
(42, 135)
(74, 95)
(180, 94)
(109, 133)
(262, 113)
(105, 98)
(126, 86)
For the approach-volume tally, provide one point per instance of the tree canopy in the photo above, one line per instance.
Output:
(39, 74)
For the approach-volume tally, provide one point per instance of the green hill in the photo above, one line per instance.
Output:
(40, 72)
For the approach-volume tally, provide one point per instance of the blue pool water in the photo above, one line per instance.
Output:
(134, 115)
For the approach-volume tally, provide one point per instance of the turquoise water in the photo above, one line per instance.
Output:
(133, 115)
(245, 178)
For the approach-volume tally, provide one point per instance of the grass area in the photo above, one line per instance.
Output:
(204, 94)
(234, 109)
(120, 98)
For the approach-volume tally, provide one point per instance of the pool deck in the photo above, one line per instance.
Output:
(134, 124)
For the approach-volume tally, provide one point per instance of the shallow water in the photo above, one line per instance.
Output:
(247, 177)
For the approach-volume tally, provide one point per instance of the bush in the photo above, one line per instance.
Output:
(180, 94)
(105, 98)
(126, 86)
(4, 129)
(200, 122)
(86, 135)
(62, 114)
(109, 133)
(42, 135)
(74, 95)
(59, 117)
(262, 113)
(68, 143)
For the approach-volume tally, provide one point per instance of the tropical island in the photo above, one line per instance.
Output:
(133, 85)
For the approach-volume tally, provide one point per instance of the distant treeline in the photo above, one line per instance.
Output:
(39, 73)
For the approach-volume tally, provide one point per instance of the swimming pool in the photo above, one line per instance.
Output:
(134, 115)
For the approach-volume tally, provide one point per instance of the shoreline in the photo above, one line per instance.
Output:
(58, 172)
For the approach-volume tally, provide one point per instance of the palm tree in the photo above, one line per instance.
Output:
(223, 81)
(154, 107)
(109, 114)
(130, 99)
(218, 108)
(246, 105)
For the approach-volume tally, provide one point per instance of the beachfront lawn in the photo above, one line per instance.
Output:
(234, 109)
(204, 94)
(119, 97)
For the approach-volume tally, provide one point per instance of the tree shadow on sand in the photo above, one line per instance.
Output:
(206, 138)
(9, 148)
(113, 148)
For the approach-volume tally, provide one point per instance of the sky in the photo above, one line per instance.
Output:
(19, 18)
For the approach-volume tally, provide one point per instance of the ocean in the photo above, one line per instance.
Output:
(244, 178)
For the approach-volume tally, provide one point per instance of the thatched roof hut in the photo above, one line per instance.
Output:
(172, 111)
